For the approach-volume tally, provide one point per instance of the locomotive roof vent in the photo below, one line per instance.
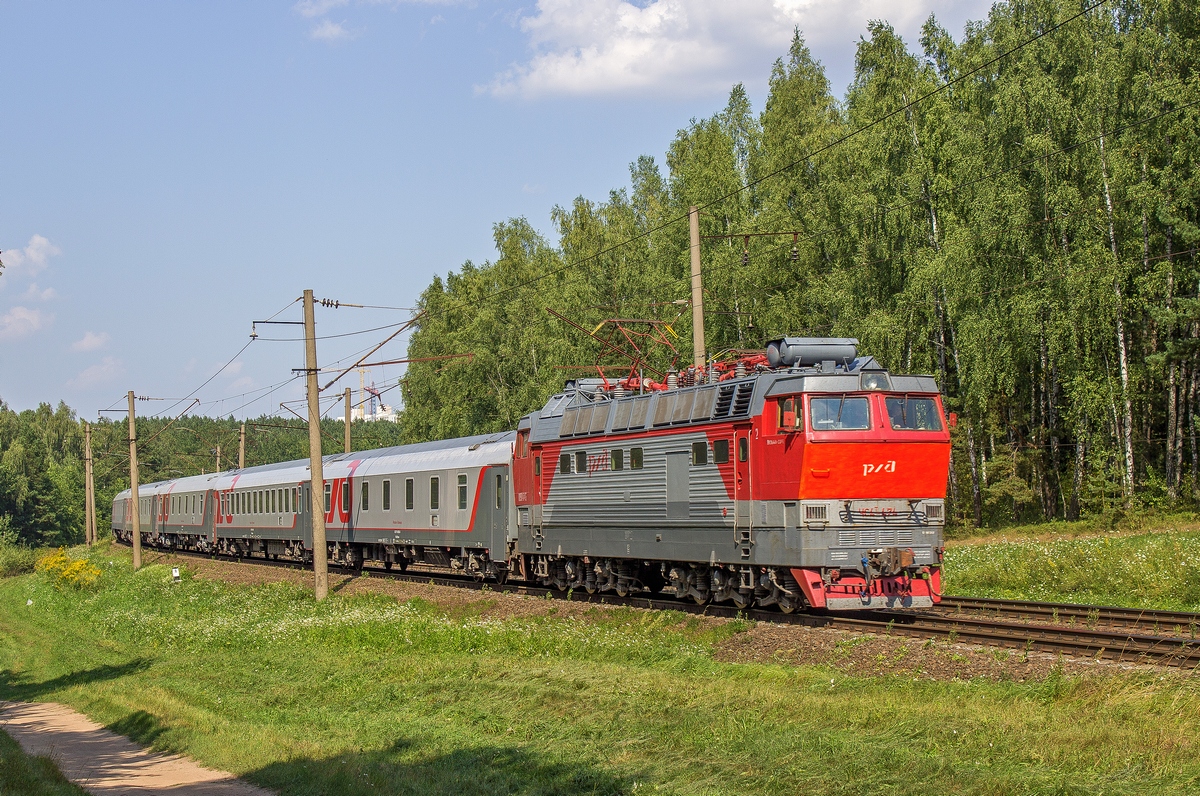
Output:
(811, 351)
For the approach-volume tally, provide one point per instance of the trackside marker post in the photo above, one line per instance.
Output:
(320, 561)
(89, 530)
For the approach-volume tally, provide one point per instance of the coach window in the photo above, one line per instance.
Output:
(409, 491)
(743, 449)
(462, 491)
(328, 495)
(435, 492)
(365, 503)
(616, 459)
(499, 489)
(346, 495)
(699, 453)
(271, 501)
(635, 458)
(564, 463)
(789, 414)
(387, 495)
(581, 461)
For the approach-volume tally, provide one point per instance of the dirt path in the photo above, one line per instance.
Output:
(107, 764)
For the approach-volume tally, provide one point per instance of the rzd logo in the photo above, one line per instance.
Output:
(886, 467)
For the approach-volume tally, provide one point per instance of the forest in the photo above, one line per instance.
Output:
(1014, 211)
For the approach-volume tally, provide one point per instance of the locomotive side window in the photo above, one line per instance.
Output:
(364, 503)
(635, 458)
(387, 495)
(581, 462)
(435, 492)
(840, 413)
(462, 491)
(720, 451)
(564, 463)
(789, 414)
(537, 465)
(913, 414)
(409, 492)
(616, 459)
(743, 449)
(699, 453)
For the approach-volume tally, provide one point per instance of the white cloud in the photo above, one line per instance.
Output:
(35, 293)
(21, 322)
(234, 368)
(102, 372)
(32, 258)
(328, 30)
(317, 8)
(588, 47)
(90, 341)
(244, 381)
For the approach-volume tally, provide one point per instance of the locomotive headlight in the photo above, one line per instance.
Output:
(875, 381)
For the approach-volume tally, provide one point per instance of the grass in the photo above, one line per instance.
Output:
(22, 775)
(1155, 569)
(364, 695)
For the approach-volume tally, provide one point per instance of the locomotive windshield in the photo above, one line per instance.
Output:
(840, 413)
(913, 414)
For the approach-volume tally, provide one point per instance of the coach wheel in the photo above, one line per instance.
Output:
(387, 565)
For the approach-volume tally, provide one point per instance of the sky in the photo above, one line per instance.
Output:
(171, 172)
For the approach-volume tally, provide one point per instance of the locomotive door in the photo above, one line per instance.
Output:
(742, 517)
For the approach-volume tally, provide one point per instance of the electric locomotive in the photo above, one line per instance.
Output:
(804, 477)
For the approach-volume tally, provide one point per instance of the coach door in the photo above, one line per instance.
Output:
(743, 530)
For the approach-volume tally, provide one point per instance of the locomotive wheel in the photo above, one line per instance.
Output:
(742, 599)
(700, 599)
(787, 603)
(387, 565)
(589, 588)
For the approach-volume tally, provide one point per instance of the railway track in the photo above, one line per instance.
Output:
(963, 620)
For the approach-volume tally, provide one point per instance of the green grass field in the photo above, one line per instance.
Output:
(22, 775)
(365, 695)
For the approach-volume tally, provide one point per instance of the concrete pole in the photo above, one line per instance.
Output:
(133, 488)
(89, 488)
(218, 458)
(698, 352)
(320, 560)
(242, 447)
(347, 420)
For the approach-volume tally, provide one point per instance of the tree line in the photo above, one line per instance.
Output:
(1014, 211)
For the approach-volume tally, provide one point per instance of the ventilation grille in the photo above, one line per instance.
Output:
(820, 512)
(845, 537)
(724, 400)
(933, 512)
(741, 401)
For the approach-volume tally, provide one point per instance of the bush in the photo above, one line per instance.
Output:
(16, 560)
(66, 572)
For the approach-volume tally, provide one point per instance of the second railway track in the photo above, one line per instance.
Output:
(1151, 637)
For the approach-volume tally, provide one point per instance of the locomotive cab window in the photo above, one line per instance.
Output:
(720, 451)
(699, 453)
(790, 415)
(635, 458)
(839, 413)
(913, 414)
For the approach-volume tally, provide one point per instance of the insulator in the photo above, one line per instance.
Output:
(795, 247)
(746, 250)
